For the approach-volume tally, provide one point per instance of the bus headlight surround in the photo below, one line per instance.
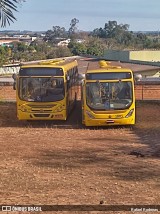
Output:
(130, 113)
(119, 116)
(23, 109)
(89, 114)
(60, 108)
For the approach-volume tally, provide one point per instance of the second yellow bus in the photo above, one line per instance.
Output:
(108, 96)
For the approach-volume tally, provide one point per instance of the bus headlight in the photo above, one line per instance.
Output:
(130, 113)
(89, 114)
(23, 109)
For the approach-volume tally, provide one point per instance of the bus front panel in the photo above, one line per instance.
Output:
(108, 103)
(41, 98)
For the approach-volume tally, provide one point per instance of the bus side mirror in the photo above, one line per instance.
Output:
(14, 76)
(137, 77)
(81, 77)
(68, 78)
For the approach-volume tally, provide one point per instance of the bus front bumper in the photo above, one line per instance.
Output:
(110, 122)
(41, 116)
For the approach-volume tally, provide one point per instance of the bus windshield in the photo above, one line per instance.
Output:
(109, 95)
(41, 89)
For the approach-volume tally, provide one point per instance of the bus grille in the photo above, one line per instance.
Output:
(41, 115)
(42, 106)
(41, 110)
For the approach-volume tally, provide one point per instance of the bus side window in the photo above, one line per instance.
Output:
(68, 81)
(70, 78)
(75, 75)
(124, 93)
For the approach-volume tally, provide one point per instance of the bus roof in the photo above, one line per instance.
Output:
(65, 63)
(105, 66)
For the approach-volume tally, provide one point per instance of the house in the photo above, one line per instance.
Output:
(64, 42)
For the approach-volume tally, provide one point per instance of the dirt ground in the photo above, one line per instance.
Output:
(65, 163)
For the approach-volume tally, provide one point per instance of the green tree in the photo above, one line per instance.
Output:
(111, 43)
(2, 55)
(62, 52)
(119, 35)
(57, 32)
(40, 46)
(113, 30)
(5, 54)
(21, 47)
(77, 48)
(73, 28)
(7, 7)
(98, 32)
(31, 49)
(95, 46)
(58, 52)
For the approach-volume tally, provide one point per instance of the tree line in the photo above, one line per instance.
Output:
(111, 36)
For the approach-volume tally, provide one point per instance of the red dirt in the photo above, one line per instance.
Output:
(66, 163)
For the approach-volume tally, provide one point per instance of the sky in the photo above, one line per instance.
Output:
(42, 15)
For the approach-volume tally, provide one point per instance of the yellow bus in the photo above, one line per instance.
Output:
(46, 90)
(108, 96)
